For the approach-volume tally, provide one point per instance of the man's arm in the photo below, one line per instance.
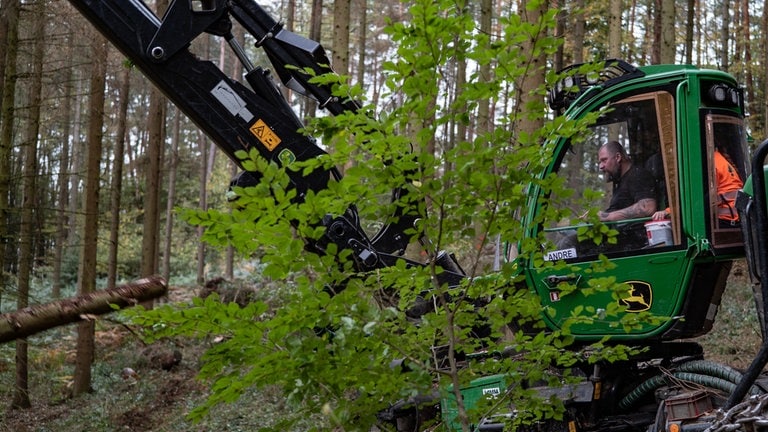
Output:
(642, 208)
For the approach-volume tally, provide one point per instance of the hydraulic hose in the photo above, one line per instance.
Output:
(702, 372)
(711, 368)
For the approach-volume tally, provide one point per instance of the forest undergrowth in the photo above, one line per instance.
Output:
(133, 392)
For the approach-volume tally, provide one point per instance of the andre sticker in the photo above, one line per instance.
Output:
(562, 254)
(266, 136)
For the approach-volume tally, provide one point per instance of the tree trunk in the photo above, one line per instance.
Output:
(340, 60)
(484, 123)
(156, 127)
(689, 24)
(171, 195)
(362, 42)
(559, 57)
(764, 63)
(579, 26)
(151, 231)
(29, 199)
(28, 321)
(203, 194)
(76, 156)
(7, 116)
(725, 35)
(62, 225)
(87, 273)
(667, 54)
(614, 29)
(532, 82)
(116, 188)
(657, 37)
(149, 245)
(461, 127)
(6, 8)
(315, 26)
(290, 19)
(749, 92)
(340, 51)
(229, 258)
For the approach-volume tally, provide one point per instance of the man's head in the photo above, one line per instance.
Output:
(613, 160)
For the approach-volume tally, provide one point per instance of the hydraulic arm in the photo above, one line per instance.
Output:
(234, 116)
(253, 116)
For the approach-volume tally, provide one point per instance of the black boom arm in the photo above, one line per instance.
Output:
(234, 116)
(244, 117)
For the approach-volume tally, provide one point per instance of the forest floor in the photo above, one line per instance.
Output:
(130, 391)
(158, 400)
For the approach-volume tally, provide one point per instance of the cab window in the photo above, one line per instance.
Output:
(643, 127)
(725, 165)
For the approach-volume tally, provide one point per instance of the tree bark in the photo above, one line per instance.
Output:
(117, 176)
(88, 254)
(29, 199)
(156, 126)
(362, 42)
(725, 35)
(6, 129)
(656, 26)
(62, 221)
(290, 20)
(560, 25)
(171, 197)
(764, 63)
(484, 123)
(77, 153)
(340, 58)
(149, 249)
(315, 26)
(5, 9)
(614, 29)
(579, 26)
(203, 149)
(31, 320)
(749, 93)
(532, 82)
(229, 257)
(668, 45)
(340, 52)
(689, 24)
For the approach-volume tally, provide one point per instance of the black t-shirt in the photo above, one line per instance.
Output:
(634, 185)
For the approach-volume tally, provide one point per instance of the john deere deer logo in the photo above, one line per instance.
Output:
(639, 298)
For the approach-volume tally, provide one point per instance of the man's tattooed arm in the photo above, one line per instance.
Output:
(643, 208)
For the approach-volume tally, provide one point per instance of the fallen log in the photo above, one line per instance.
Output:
(34, 319)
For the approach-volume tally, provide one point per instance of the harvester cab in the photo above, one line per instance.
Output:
(671, 121)
(674, 124)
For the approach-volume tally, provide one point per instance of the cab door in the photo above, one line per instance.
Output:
(647, 257)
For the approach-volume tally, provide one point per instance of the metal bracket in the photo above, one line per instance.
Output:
(183, 22)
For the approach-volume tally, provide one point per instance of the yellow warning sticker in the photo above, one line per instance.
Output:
(265, 134)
